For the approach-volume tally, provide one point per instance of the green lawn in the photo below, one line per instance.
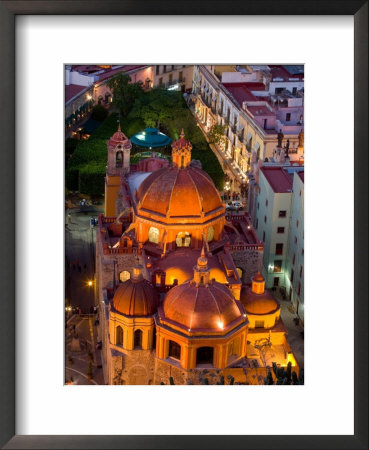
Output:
(85, 170)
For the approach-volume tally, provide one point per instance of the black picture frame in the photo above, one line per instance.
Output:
(8, 11)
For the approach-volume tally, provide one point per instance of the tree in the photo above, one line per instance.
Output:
(216, 134)
(157, 107)
(99, 113)
(124, 92)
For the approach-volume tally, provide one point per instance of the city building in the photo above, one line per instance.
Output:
(255, 104)
(86, 85)
(276, 205)
(178, 284)
(176, 77)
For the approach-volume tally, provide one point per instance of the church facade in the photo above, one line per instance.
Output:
(178, 285)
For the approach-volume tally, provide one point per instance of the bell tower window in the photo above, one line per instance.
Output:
(119, 159)
(153, 235)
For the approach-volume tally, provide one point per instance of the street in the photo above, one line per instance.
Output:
(81, 339)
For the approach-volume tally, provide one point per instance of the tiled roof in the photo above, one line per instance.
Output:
(71, 90)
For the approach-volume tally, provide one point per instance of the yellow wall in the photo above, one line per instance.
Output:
(112, 186)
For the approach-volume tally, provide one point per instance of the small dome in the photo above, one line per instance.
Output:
(119, 138)
(254, 303)
(136, 296)
(258, 277)
(199, 307)
(182, 143)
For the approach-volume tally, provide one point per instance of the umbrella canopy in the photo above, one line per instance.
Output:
(151, 138)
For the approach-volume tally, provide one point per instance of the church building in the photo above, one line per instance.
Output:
(178, 285)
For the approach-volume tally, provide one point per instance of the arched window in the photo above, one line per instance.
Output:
(210, 235)
(183, 239)
(137, 339)
(119, 336)
(205, 355)
(124, 276)
(153, 235)
(119, 159)
(174, 350)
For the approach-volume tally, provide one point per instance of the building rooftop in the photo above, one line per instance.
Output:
(260, 110)
(278, 178)
(282, 74)
(72, 90)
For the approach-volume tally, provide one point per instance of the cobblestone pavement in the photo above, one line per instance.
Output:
(80, 338)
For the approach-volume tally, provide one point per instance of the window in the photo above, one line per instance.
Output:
(180, 76)
(171, 78)
(172, 67)
(302, 252)
(276, 281)
(263, 236)
(277, 265)
(157, 70)
(293, 259)
(257, 223)
(119, 159)
(297, 223)
(266, 202)
(300, 193)
(183, 239)
(164, 68)
(288, 117)
(174, 350)
(279, 249)
(295, 239)
(300, 271)
(138, 339)
(292, 275)
(259, 323)
(294, 90)
(160, 81)
(210, 234)
(124, 276)
(119, 336)
(258, 205)
(153, 235)
(299, 289)
(265, 124)
(204, 355)
(265, 219)
(282, 214)
(280, 230)
(279, 90)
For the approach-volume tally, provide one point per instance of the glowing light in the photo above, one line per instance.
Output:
(90, 283)
(220, 324)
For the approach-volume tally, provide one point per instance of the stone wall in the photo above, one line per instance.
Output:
(135, 367)
(250, 261)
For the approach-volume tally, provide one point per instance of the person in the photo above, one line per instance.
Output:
(280, 138)
(287, 146)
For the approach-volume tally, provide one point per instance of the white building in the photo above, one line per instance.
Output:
(276, 206)
(295, 259)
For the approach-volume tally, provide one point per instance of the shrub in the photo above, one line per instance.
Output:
(99, 113)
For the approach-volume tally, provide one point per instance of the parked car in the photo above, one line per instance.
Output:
(235, 205)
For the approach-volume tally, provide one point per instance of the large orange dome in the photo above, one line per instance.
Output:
(257, 304)
(209, 308)
(136, 297)
(179, 192)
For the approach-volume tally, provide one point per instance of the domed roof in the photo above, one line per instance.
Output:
(179, 192)
(258, 277)
(254, 303)
(136, 297)
(200, 307)
(119, 138)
